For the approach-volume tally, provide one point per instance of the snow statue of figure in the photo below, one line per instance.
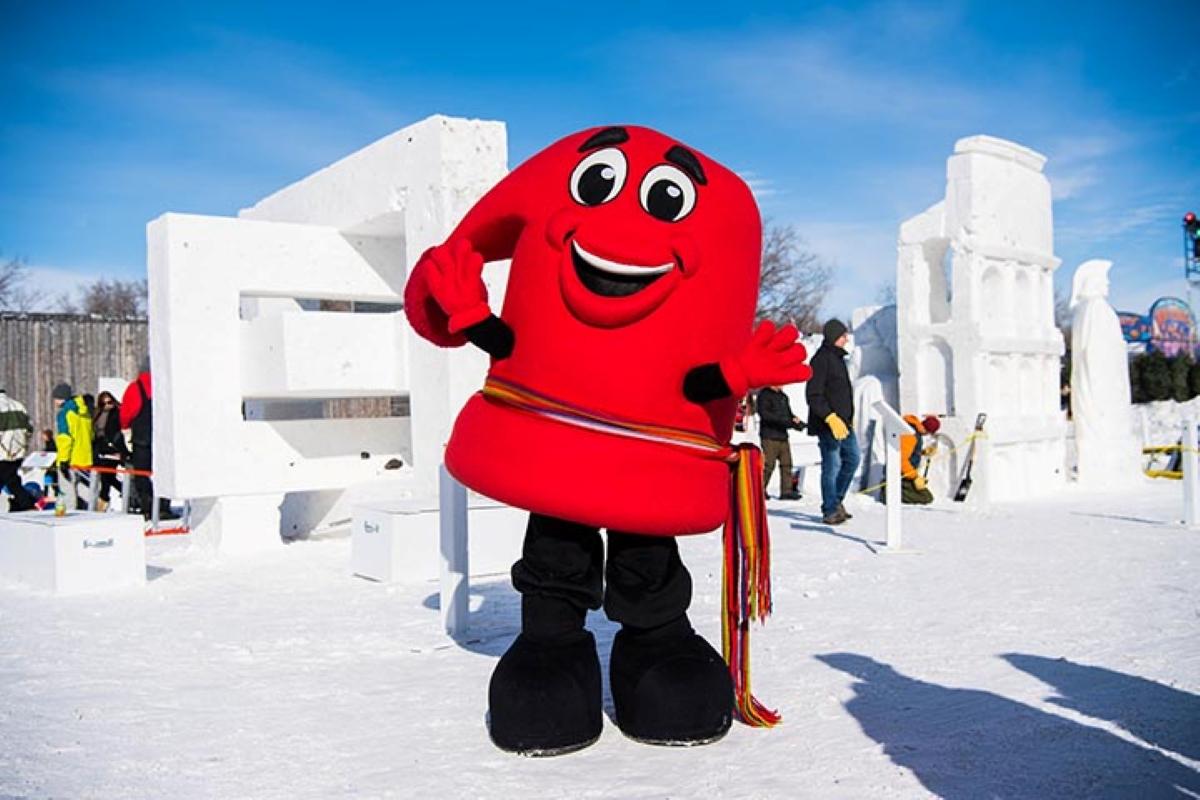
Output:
(1107, 450)
(618, 359)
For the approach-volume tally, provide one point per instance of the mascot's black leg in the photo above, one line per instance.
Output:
(544, 697)
(669, 685)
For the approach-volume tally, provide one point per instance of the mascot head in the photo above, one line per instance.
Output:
(619, 224)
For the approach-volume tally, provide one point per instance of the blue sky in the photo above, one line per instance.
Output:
(841, 115)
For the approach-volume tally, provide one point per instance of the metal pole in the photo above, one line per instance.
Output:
(1191, 478)
(153, 509)
(92, 493)
(454, 573)
(893, 490)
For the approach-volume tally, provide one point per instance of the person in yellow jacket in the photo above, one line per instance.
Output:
(73, 440)
(914, 448)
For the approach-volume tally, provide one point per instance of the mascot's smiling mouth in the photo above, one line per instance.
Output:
(609, 278)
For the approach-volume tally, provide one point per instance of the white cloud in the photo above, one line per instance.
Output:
(266, 107)
(762, 188)
(48, 284)
(1067, 183)
(810, 75)
(1076, 163)
(1113, 223)
(259, 124)
(862, 257)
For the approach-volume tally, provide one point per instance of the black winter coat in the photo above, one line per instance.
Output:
(107, 439)
(828, 390)
(776, 415)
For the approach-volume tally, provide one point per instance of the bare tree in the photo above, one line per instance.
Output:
(65, 304)
(109, 297)
(14, 294)
(794, 280)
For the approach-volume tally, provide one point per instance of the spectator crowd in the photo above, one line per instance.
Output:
(95, 442)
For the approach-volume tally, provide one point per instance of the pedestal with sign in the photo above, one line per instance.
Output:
(78, 553)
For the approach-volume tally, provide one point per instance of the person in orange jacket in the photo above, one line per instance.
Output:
(913, 449)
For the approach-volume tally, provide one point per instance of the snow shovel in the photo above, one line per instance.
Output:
(965, 485)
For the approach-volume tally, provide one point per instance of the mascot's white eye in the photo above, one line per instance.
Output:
(667, 193)
(599, 177)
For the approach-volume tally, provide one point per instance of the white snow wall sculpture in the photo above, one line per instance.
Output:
(975, 299)
(233, 336)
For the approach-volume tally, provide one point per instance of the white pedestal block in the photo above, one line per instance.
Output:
(806, 455)
(77, 553)
(237, 525)
(399, 540)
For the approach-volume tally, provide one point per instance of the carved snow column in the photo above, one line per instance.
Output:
(976, 318)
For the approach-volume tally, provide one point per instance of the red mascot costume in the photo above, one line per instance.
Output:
(622, 349)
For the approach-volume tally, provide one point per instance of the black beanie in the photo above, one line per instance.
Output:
(61, 392)
(834, 330)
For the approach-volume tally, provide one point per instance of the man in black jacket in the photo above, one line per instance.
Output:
(830, 414)
(775, 418)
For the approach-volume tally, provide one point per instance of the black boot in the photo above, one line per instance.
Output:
(545, 698)
(165, 513)
(669, 685)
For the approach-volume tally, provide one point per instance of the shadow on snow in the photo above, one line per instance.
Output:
(1157, 714)
(968, 743)
(812, 522)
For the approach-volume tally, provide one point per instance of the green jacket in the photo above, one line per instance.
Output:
(14, 429)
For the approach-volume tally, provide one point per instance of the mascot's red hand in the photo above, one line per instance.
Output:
(773, 358)
(454, 276)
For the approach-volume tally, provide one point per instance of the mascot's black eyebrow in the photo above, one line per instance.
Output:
(686, 160)
(605, 137)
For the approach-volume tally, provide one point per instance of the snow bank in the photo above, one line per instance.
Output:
(1162, 421)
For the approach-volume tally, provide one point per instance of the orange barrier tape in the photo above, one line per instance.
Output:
(145, 473)
(168, 532)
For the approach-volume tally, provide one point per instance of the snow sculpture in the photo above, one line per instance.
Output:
(874, 352)
(242, 360)
(976, 317)
(873, 370)
(1101, 404)
(868, 427)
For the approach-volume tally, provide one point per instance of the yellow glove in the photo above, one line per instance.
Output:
(837, 427)
(930, 451)
(920, 483)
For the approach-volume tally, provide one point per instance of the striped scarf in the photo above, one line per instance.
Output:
(746, 578)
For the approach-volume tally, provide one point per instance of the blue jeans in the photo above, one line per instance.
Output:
(839, 462)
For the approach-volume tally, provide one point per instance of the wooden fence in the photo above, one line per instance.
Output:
(38, 351)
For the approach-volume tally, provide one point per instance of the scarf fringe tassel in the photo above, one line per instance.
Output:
(746, 582)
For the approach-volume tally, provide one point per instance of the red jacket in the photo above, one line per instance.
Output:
(131, 401)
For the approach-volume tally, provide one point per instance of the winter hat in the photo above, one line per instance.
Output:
(61, 392)
(834, 330)
(931, 424)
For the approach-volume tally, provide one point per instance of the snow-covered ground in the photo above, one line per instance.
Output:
(1043, 650)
